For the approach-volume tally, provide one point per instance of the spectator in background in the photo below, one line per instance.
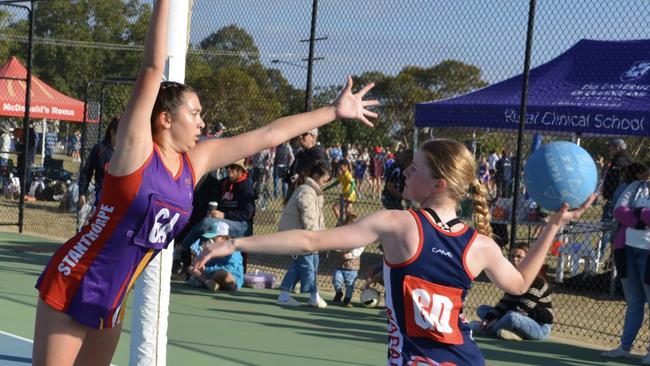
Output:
(484, 172)
(360, 169)
(612, 176)
(503, 175)
(391, 197)
(631, 247)
(612, 179)
(629, 174)
(600, 164)
(76, 146)
(376, 171)
(5, 146)
(262, 163)
(235, 199)
(304, 210)
(5, 172)
(227, 273)
(348, 192)
(95, 165)
(336, 155)
(346, 271)
(528, 316)
(281, 162)
(492, 159)
(308, 154)
(219, 130)
(31, 152)
(388, 162)
(51, 139)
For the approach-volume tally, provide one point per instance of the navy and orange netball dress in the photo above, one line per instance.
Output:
(424, 300)
(90, 276)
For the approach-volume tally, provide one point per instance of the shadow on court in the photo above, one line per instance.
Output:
(499, 352)
(248, 327)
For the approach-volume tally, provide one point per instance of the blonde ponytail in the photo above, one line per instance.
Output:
(478, 195)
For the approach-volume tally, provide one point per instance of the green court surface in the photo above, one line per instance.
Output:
(247, 327)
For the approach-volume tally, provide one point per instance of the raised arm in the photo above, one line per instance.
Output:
(212, 154)
(516, 281)
(134, 142)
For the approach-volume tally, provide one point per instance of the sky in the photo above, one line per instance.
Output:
(386, 35)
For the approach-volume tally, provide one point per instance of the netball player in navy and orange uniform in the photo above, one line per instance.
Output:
(430, 257)
(145, 201)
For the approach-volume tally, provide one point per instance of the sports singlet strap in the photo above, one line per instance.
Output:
(445, 226)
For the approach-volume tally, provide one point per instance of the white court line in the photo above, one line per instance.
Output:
(16, 336)
(23, 339)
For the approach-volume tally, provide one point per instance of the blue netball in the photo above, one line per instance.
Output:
(560, 172)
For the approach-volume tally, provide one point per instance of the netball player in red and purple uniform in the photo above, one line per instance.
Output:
(145, 201)
(430, 257)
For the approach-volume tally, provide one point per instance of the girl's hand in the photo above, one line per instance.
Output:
(220, 248)
(352, 106)
(564, 216)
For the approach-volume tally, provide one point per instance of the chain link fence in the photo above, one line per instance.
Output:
(250, 67)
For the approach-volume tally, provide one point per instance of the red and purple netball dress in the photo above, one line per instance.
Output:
(424, 300)
(90, 276)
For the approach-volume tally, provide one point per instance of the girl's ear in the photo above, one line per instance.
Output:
(167, 119)
(440, 185)
(163, 120)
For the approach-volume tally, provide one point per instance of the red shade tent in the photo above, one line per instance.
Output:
(46, 102)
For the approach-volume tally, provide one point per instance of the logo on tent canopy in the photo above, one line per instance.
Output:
(637, 71)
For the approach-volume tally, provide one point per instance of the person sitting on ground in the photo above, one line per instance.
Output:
(528, 316)
(347, 270)
(235, 198)
(225, 273)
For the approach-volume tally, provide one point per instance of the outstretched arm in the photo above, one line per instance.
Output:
(134, 142)
(516, 281)
(212, 154)
(363, 232)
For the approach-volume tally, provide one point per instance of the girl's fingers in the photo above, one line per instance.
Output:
(348, 85)
(365, 89)
(370, 114)
(365, 120)
(367, 103)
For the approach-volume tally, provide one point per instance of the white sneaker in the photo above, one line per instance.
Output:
(617, 352)
(508, 335)
(646, 359)
(319, 303)
(289, 301)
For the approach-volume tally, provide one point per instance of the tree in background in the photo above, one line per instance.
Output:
(236, 89)
(230, 45)
(76, 43)
(398, 95)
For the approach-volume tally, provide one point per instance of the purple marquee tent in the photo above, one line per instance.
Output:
(594, 88)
